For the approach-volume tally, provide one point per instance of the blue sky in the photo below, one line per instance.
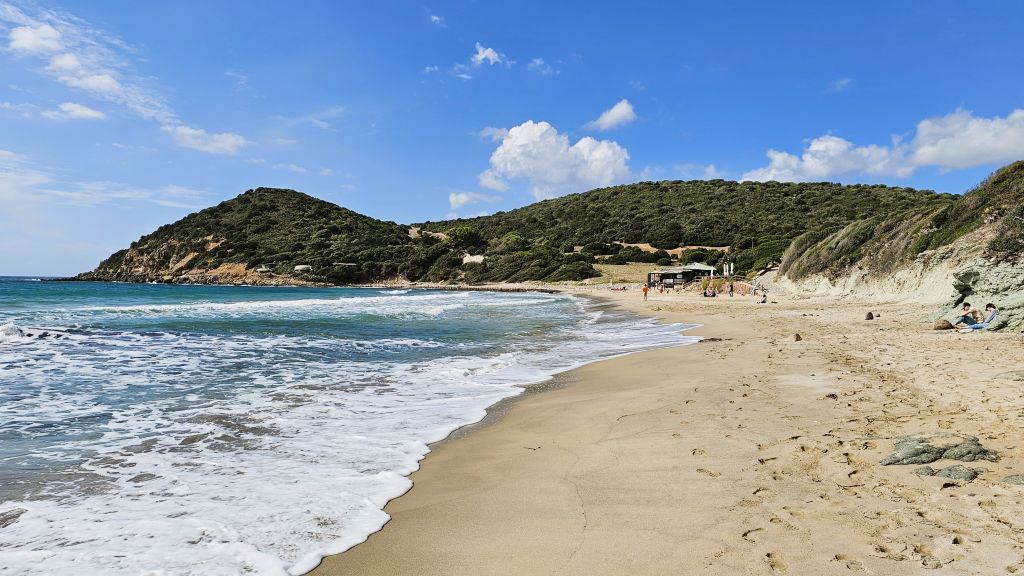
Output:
(117, 117)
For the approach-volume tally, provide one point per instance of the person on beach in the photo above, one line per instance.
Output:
(646, 289)
(732, 289)
(991, 314)
(969, 315)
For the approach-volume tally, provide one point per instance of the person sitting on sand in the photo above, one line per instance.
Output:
(969, 315)
(991, 314)
(764, 297)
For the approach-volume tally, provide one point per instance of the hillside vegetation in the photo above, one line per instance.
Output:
(274, 230)
(882, 243)
(811, 228)
(757, 221)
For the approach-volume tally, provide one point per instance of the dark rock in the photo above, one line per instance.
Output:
(10, 517)
(943, 325)
(869, 316)
(960, 472)
(797, 337)
(924, 449)
(144, 477)
(925, 471)
(1017, 479)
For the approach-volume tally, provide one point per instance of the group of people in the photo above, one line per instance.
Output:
(971, 319)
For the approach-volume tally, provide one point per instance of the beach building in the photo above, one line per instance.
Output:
(679, 275)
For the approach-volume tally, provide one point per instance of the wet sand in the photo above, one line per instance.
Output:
(750, 453)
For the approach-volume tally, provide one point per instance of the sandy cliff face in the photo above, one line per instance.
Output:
(943, 278)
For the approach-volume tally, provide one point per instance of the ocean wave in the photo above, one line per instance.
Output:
(196, 453)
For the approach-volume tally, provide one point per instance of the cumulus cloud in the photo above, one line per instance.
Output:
(486, 55)
(537, 153)
(457, 200)
(483, 55)
(33, 39)
(955, 141)
(73, 111)
(435, 19)
(88, 59)
(616, 116)
(203, 141)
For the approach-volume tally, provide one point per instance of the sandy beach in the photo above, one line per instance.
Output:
(749, 453)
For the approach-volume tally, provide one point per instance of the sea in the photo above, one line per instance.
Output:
(216, 430)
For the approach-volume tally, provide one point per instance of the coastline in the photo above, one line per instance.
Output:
(750, 452)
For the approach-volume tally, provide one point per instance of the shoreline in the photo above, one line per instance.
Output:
(470, 511)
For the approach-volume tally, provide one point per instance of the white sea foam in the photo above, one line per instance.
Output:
(287, 455)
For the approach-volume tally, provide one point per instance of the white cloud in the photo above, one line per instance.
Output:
(541, 67)
(35, 39)
(203, 141)
(839, 85)
(430, 69)
(24, 110)
(463, 76)
(616, 116)
(705, 171)
(539, 154)
(23, 184)
(292, 168)
(955, 141)
(494, 134)
(961, 140)
(320, 119)
(285, 141)
(73, 111)
(487, 55)
(459, 199)
(435, 19)
(326, 172)
(101, 65)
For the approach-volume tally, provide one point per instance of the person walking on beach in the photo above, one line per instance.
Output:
(732, 289)
(646, 289)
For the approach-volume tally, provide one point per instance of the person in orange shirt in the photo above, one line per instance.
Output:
(646, 289)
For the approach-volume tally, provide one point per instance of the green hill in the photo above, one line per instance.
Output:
(757, 221)
(811, 228)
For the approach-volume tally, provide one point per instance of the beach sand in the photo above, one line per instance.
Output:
(749, 453)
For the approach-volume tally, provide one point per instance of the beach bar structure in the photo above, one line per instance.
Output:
(679, 275)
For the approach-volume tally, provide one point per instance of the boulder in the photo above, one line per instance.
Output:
(10, 517)
(925, 449)
(1017, 479)
(869, 316)
(943, 325)
(797, 337)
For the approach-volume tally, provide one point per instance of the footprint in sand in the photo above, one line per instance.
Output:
(850, 562)
(697, 452)
(775, 562)
(708, 472)
(748, 535)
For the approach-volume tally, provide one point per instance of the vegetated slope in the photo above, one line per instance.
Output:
(757, 220)
(263, 234)
(882, 243)
(969, 249)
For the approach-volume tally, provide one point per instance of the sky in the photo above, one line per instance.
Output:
(118, 117)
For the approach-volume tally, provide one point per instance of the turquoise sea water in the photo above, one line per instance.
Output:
(160, 429)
